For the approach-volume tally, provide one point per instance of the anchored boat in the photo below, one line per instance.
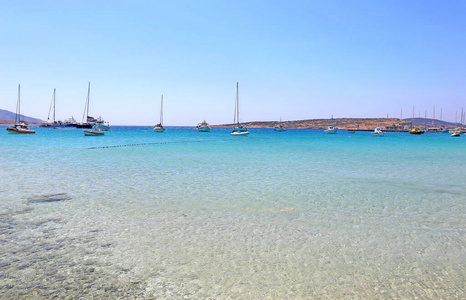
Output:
(96, 131)
(20, 126)
(280, 127)
(159, 127)
(203, 127)
(238, 129)
(331, 129)
(378, 132)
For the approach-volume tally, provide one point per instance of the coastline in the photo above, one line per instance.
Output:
(356, 124)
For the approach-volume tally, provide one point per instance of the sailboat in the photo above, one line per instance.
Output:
(203, 127)
(238, 129)
(159, 127)
(53, 124)
(331, 129)
(20, 126)
(87, 121)
(280, 126)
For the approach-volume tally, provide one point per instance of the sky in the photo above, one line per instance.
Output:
(293, 59)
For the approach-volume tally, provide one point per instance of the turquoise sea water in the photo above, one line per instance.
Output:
(277, 215)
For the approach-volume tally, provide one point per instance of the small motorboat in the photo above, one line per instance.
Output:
(456, 134)
(96, 131)
(416, 130)
(203, 127)
(20, 128)
(378, 132)
(331, 130)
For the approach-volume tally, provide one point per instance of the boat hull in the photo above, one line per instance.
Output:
(203, 129)
(378, 134)
(240, 133)
(330, 131)
(15, 130)
(85, 125)
(158, 129)
(103, 127)
(93, 133)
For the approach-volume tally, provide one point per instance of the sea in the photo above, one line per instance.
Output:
(183, 214)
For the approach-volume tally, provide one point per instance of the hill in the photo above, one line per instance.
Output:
(6, 115)
(431, 122)
(350, 123)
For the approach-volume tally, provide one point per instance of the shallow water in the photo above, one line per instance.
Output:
(296, 214)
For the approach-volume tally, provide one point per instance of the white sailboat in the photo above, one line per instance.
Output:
(331, 129)
(53, 124)
(159, 127)
(238, 129)
(280, 127)
(20, 126)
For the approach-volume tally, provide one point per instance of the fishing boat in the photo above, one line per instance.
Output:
(96, 131)
(378, 132)
(159, 127)
(53, 123)
(203, 127)
(416, 130)
(331, 129)
(238, 129)
(280, 127)
(20, 126)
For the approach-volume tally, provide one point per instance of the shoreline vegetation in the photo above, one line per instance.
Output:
(363, 124)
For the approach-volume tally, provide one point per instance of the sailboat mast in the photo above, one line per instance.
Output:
(86, 106)
(18, 106)
(412, 120)
(161, 111)
(236, 108)
(237, 103)
(87, 102)
(53, 105)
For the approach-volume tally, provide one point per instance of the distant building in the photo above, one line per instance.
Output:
(403, 125)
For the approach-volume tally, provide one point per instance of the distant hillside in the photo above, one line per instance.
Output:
(10, 116)
(431, 122)
(349, 123)
(342, 123)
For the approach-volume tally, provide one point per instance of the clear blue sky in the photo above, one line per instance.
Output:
(292, 59)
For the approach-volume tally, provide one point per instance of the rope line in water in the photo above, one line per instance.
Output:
(180, 142)
(154, 143)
